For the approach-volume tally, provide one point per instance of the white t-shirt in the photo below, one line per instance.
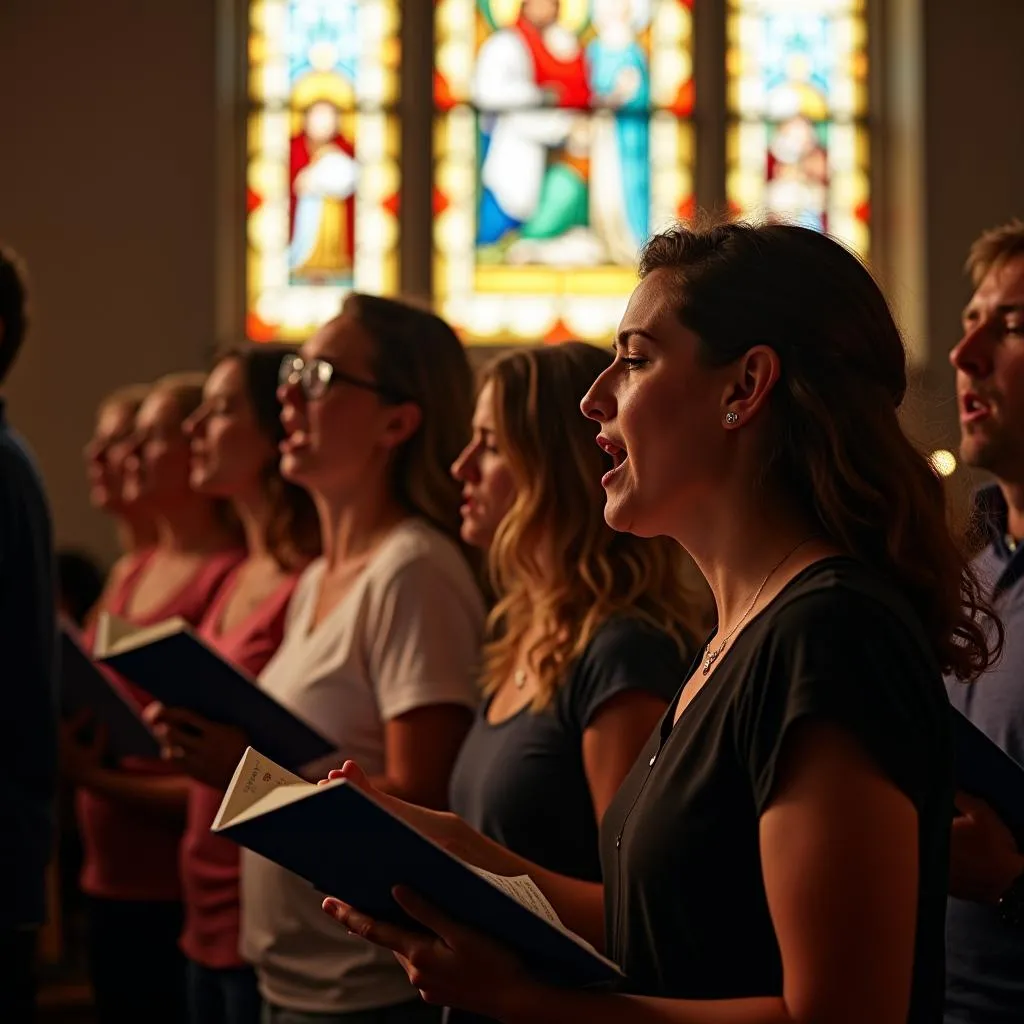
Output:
(407, 634)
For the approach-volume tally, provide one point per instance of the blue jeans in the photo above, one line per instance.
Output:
(413, 1012)
(226, 995)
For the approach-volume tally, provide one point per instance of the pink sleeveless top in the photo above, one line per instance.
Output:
(209, 863)
(129, 854)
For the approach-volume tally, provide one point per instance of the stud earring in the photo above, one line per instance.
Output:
(732, 418)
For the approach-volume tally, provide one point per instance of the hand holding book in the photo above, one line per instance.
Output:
(207, 751)
(448, 830)
(357, 845)
(450, 964)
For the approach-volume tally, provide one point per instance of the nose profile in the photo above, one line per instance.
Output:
(597, 403)
(464, 467)
(192, 424)
(972, 354)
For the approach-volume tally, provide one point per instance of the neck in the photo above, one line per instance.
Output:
(192, 527)
(738, 550)
(253, 511)
(1014, 495)
(352, 525)
(135, 534)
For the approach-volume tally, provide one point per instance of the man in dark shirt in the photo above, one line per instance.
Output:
(28, 650)
(985, 916)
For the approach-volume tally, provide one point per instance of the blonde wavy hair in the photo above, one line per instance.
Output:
(417, 357)
(554, 541)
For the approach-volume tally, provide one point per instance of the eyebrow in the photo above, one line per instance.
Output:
(1001, 310)
(622, 339)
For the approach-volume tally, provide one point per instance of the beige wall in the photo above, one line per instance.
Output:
(106, 189)
(108, 182)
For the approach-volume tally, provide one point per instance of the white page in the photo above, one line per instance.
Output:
(114, 635)
(525, 891)
(255, 777)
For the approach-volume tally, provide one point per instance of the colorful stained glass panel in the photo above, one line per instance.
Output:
(797, 144)
(323, 160)
(561, 143)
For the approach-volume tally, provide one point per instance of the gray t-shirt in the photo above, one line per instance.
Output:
(522, 781)
(984, 956)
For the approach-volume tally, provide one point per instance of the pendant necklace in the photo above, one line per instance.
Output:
(520, 678)
(711, 656)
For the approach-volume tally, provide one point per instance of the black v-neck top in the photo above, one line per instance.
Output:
(686, 910)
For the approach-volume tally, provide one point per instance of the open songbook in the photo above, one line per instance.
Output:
(349, 846)
(86, 686)
(177, 668)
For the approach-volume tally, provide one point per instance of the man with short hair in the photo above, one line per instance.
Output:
(28, 656)
(985, 917)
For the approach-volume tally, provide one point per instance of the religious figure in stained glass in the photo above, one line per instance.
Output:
(797, 149)
(323, 169)
(551, 106)
(323, 174)
(561, 185)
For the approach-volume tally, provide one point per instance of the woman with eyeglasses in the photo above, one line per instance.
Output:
(234, 436)
(131, 814)
(383, 634)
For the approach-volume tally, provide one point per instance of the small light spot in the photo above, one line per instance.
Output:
(943, 462)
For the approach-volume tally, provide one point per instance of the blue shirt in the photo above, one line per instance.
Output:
(985, 956)
(28, 683)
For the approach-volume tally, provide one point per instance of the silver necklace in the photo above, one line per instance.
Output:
(711, 656)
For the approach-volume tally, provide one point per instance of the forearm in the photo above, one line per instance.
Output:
(163, 795)
(542, 1005)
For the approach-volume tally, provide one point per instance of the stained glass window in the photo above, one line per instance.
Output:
(561, 141)
(797, 142)
(322, 169)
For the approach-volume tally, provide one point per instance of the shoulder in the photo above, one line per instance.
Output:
(624, 654)
(17, 463)
(417, 553)
(23, 502)
(507, 43)
(841, 598)
(626, 635)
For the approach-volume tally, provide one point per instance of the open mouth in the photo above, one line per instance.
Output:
(973, 407)
(616, 452)
(293, 441)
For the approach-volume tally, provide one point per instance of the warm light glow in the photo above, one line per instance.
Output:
(943, 462)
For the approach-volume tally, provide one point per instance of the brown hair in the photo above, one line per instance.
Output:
(993, 248)
(293, 532)
(589, 572)
(185, 388)
(418, 358)
(835, 445)
(129, 397)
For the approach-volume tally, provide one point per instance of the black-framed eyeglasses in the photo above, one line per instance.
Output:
(316, 375)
